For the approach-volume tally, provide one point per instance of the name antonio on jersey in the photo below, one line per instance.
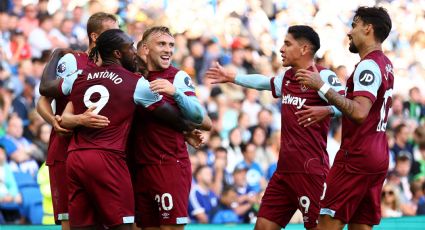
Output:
(290, 100)
(105, 74)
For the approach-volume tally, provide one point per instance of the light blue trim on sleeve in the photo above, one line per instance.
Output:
(330, 78)
(68, 82)
(254, 81)
(367, 77)
(189, 106)
(183, 82)
(277, 82)
(67, 65)
(143, 95)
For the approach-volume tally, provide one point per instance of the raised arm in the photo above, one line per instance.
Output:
(50, 83)
(217, 74)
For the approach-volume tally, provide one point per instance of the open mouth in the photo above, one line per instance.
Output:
(165, 58)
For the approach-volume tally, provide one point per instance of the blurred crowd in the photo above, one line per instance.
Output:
(231, 172)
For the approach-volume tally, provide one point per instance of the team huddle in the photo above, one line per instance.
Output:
(122, 119)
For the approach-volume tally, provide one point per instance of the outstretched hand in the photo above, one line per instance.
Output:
(217, 74)
(312, 114)
(311, 79)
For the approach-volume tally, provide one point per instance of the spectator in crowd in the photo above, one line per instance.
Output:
(40, 38)
(414, 108)
(402, 169)
(397, 115)
(251, 106)
(401, 138)
(29, 21)
(24, 153)
(9, 192)
(19, 47)
(42, 138)
(221, 176)
(273, 149)
(202, 200)
(390, 201)
(262, 156)
(228, 209)
(234, 153)
(254, 175)
(243, 125)
(410, 209)
(264, 121)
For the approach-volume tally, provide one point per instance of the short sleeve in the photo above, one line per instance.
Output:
(67, 70)
(144, 96)
(183, 82)
(67, 65)
(276, 85)
(68, 82)
(330, 78)
(367, 79)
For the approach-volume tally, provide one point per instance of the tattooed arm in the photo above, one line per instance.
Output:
(356, 110)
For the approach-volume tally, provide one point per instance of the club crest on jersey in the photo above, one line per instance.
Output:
(303, 88)
(188, 82)
(61, 67)
(366, 77)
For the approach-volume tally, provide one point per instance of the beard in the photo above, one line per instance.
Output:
(129, 65)
(353, 48)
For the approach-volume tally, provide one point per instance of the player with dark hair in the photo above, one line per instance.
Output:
(99, 182)
(59, 137)
(303, 162)
(360, 167)
(160, 152)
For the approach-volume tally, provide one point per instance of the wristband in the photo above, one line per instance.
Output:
(324, 89)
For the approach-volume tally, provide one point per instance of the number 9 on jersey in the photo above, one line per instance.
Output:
(104, 97)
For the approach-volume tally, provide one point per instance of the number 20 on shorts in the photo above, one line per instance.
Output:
(165, 202)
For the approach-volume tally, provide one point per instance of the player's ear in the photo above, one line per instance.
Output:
(94, 37)
(145, 48)
(305, 48)
(117, 54)
(368, 28)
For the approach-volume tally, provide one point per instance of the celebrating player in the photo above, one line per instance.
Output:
(59, 137)
(360, 167)
(160, 152)
(303, 162)
(109, 88)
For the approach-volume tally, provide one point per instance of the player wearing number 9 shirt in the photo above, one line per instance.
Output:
(59, 137)
(99, 182)
(298, 182)
(360, 167)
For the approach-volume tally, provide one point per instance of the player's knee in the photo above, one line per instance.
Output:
(264, 224)
(328, 223)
